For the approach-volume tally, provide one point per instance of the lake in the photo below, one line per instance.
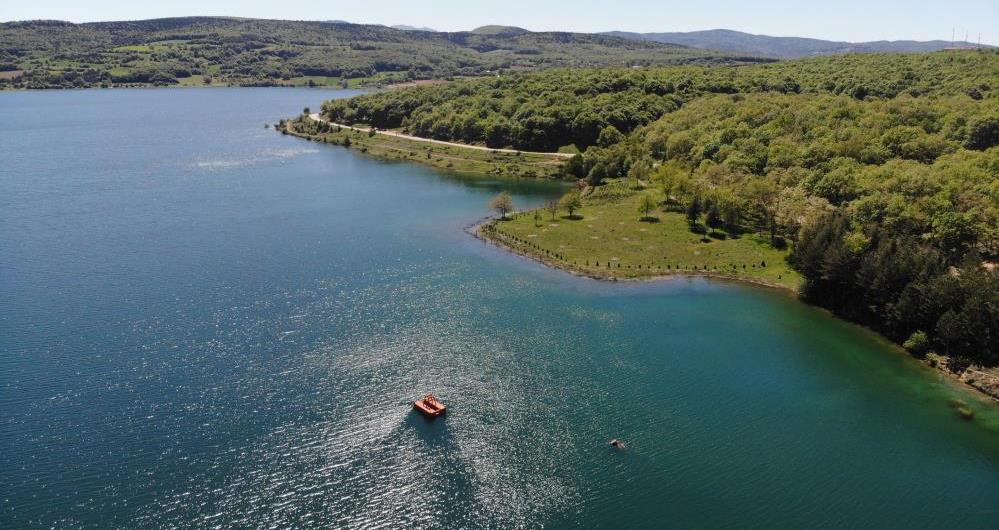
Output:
(205, 324)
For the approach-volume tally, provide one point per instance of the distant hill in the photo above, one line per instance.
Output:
(783, 47)
(499, 30)
(239, 51)
(405, 27)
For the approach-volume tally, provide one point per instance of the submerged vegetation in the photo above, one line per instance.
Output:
(876, 176)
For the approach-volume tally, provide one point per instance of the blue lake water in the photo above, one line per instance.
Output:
(206, 324)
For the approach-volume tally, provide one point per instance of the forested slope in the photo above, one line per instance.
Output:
(50, 54)
(547, 111)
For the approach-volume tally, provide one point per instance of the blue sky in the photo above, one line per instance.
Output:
(853, 20)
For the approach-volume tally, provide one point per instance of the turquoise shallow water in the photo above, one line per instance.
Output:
(207, 324)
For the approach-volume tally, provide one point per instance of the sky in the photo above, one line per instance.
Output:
(850, 20)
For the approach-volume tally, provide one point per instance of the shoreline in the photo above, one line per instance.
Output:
(157, 87)
(963, 380)
(316, 117)
(476, 231)
(445, 156)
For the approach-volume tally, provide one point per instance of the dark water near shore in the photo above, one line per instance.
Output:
(206, 324)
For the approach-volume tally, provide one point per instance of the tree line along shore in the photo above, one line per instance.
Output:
(445, 157)
(869, 183)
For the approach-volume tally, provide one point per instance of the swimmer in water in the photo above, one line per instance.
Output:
(617, 444)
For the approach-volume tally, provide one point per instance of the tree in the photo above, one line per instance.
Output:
(732, 218)
(609, 136)
(678, 145)
(693, 211)
(537, 218)
(575, 167)
(917, 343)
(552, 208)
(639, 172)
(571, 202)
(502, 203)
(983, 133)
(765, 195)
(714, 218)
(645, 205)
(597, 173)
(954, 233)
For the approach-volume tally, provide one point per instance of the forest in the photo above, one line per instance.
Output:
(560, 108)
(881, 172)
(237, 51)
(892, 206)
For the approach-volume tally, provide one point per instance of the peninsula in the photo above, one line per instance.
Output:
(865, 182)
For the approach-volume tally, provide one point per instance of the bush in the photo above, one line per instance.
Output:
(917, 343)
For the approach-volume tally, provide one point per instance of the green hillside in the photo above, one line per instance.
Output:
(208, 50)
(543, 112)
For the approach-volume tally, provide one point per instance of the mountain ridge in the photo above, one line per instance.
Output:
(786, 47)
(243, 51)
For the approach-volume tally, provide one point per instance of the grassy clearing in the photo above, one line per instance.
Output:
(451, 158)
(141, 48)
(194, 80)
(317, 80)
(606, 239)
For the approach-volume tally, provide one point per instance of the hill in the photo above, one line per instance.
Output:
(499, 30)
(214, 50)
(406, 27)
(785, 47)
(544, 112)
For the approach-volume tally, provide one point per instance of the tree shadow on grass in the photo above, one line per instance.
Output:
(649, 219)
(573, 217)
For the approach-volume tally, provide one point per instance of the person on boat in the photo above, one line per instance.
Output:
(617, 444)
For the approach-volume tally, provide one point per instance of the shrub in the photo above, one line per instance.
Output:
(917, 343)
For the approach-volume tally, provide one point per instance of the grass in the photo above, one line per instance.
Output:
(606, 239)
(451, 158)
(318, 80)
(141, 48)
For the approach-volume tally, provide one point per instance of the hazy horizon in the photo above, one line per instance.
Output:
(849, 20)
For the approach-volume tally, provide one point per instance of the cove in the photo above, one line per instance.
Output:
(204, 322)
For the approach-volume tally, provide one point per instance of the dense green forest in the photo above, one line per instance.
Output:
(214, 50)
(880, 171)
(549, 111)
(892, 205)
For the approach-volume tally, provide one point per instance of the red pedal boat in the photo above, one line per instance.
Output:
(430, 406)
